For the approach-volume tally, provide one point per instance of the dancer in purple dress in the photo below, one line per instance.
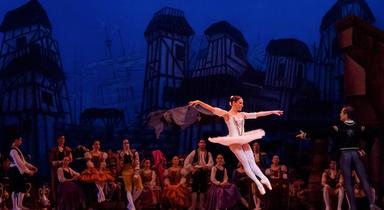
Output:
(70, 195)
(221, 193)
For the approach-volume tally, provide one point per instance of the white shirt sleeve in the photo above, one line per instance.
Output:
(251, 115)
(137, 161)
(210, 159)
(188, 160)
(20, 164)
(225, 180)
(213, 176)
(60, 175)
(73, 172)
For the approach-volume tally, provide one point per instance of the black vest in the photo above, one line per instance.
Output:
(196, 157)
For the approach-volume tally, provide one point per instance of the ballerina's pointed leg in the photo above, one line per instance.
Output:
(252, 163)
(240, 154)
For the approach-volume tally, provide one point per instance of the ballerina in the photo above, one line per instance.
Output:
(237, 140)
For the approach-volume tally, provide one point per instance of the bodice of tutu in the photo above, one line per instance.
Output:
(277, 173)
(235, 125)
(332, 181)
(146, 177)
(127, 158)
(67, 174)
(174, 176)
(96, 160)
(219, 174)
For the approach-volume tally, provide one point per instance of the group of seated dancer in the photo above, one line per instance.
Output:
(333, 184)
(197, 182)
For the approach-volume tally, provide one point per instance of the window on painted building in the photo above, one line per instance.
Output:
(47, 98)
(281, 71)
(351, 9)
(180, 52)
(300, 71)
(238, 51)
(21, 42)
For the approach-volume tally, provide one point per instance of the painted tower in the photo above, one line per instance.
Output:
(328, 64)
(288, 61)
(33, 95)
(226, 53)
(168, 38)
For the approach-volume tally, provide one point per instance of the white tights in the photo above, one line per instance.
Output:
(245, 155)
(100, 195)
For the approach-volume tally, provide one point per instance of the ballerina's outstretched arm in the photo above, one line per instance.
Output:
(200, 103)
(254, 115)
(217, 111)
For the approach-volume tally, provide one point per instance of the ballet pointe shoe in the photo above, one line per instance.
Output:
(260, 187)
(266, 182)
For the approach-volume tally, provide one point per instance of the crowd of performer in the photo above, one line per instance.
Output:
(87, 178)
(194, 181)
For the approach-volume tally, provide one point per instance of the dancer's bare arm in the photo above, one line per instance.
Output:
(217, 111)
(254, 115)
(267, 113)
(202, 104)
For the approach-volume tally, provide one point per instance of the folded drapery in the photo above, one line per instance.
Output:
(182, 116)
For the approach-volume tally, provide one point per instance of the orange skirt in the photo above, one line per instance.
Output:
(176, 197)
(93, 175)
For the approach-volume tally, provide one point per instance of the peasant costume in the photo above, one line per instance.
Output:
(96, 172)
(175, 193)
(221, 197)
(130, 164)
(70, 195)
(151, 192)
(131, 177)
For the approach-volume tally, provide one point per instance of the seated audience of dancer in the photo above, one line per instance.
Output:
(175, 194)
(332, 182)
(70, 195)
(151, 192)
(96, 171)
(244, 184)
(221, 193)
(278, 176)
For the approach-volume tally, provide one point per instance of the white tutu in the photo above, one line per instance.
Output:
(243, 139)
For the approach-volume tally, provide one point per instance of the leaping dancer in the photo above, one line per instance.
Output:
(237, 139)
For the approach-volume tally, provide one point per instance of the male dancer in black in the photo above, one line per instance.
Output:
(348, 134)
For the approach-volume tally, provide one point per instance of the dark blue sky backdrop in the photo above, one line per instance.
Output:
(80, 25)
